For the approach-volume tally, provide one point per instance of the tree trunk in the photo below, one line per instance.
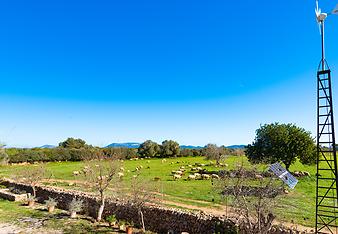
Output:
(34, 191)
(100, 211)
(142, 220)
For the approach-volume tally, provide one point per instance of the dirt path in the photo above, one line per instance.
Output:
(8, 228)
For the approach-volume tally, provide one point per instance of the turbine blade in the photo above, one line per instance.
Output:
(335, 10)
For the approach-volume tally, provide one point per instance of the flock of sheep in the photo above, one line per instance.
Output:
(197, 173)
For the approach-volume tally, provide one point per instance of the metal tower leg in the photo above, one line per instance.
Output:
(326, 189)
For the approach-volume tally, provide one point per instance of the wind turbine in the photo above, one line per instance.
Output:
(327, 168)
(321, 17)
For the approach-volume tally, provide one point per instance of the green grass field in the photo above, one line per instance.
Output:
(298, 206)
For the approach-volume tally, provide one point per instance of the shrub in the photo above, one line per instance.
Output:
(51, 202)
(75, 205)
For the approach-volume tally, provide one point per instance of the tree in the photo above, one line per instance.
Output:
(213, 152)
(149, 149)
(252, 204)
(32, 176)
(170, 148)
(99, 175)
(140, 195)
(73, 143)
(282, 143)
(3, 155)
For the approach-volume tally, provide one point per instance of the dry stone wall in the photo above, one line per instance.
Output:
(157, 219)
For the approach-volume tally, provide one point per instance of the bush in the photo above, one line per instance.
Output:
(49, 155)
(75, 205)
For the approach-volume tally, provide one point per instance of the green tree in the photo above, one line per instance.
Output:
(73, 143)
(149, 149)
(170, 148)
(213, 152)
(282, 143)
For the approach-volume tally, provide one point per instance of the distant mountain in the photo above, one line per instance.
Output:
(190, 147)
(47, 147)
(131, 145)
(236, 146)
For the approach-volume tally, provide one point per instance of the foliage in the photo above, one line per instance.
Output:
(3, 155)
(149, 149)
(140, 194)
(282, 143)
(49, 155)
(254, 212)
(213, 152)
(99, 175)
(170, 148)
(111, 218)
(119, 153)
(75, 205)
(51, 202)
(33, 176)
(72, 143)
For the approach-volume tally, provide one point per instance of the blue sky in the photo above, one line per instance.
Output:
(192, 71)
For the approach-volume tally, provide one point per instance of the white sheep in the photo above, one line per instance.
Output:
(121, 169)
(215, 176)
(176, 177)
(76, 173)
(205, 176)
(120, 175)
(191, 177)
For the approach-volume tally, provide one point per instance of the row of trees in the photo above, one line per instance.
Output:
(169, 148)
(78, 150)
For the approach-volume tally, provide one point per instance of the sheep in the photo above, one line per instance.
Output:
(205, 176)
(164, 160)
(191, 177)
(120, 175)
(179, 172)
(199, 168)
(215, 176)
(190, 166)
(121, 169)
(197, 175)
(182, 167)
(176, 177)
(76, 173)
(257, 176)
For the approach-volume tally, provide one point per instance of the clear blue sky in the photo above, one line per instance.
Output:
(192, 71)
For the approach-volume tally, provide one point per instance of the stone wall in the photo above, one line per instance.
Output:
(156, 218)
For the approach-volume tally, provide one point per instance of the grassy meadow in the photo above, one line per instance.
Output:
(296, 207)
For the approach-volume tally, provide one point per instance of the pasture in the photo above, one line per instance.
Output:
(298, 206)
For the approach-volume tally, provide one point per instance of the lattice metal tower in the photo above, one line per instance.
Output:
(327, 189)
